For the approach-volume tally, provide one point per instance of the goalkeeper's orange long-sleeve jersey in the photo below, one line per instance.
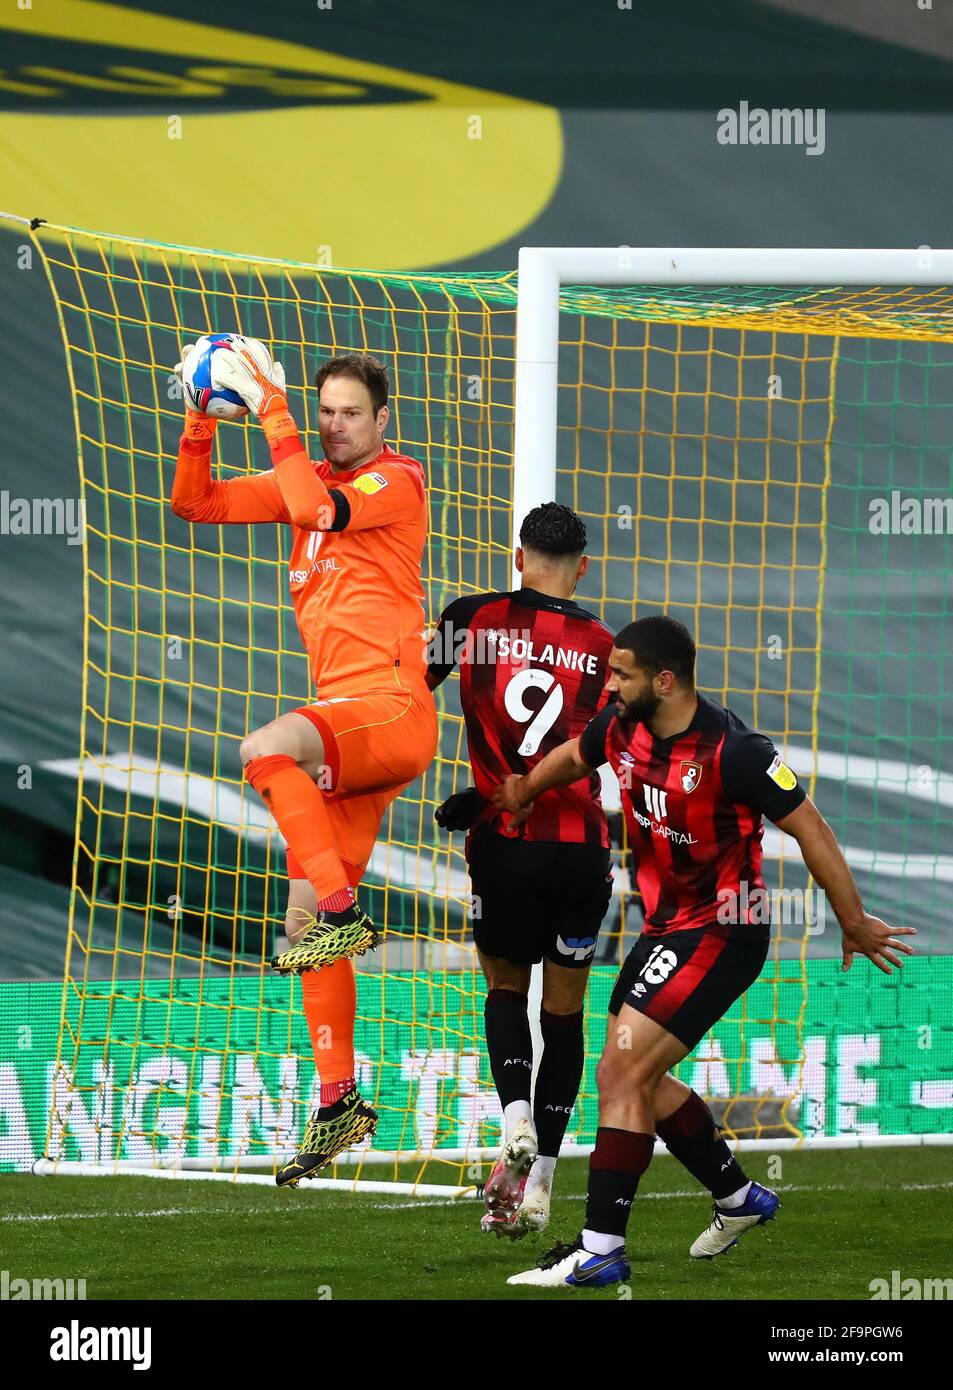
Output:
(358, 540)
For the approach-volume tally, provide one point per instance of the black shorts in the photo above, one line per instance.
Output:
(536, 898)
(685, 981)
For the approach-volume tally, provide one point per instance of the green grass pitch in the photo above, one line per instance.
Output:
(847, 1217)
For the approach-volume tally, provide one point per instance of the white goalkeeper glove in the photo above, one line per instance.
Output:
(247, 367)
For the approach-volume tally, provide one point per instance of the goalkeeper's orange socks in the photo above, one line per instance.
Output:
(301, 812)
(329, 998)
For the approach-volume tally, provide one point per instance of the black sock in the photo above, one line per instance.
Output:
(615, 1167)
(692, 1136)
(558, 1078)
(509, 1043)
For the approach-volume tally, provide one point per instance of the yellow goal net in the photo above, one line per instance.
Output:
(721, 445)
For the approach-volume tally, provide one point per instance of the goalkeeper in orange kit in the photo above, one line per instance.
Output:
(328, 770)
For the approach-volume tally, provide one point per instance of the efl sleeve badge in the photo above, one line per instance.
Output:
(781, 774)
(370, 483)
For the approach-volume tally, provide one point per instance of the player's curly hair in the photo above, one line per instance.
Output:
(660, 643)
(363, 367)
(554, 530)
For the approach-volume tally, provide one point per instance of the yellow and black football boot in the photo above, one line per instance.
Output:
(330, 937)
(330, 1130)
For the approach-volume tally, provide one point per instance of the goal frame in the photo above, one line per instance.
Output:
(542, 273)
(543, 270)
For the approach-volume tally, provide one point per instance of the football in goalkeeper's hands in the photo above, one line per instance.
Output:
(199, 377)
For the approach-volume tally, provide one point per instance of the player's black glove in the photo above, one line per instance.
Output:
(459, 811)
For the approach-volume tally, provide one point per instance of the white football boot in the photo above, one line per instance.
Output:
(503, 1193)
(759, 1206)
(572, 1266)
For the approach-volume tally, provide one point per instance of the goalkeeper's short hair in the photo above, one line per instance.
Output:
(362, 367)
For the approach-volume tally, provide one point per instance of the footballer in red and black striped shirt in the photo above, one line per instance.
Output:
(533, 667)
(693, 804)
(695, 784)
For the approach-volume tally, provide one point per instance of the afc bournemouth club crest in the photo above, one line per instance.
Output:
(691, 775)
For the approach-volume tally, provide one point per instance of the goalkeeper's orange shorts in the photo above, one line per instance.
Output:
(380, 733)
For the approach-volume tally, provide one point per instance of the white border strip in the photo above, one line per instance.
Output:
(226, 1166)
(44, 1167)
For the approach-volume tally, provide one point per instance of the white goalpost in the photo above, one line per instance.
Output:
(543, 271)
